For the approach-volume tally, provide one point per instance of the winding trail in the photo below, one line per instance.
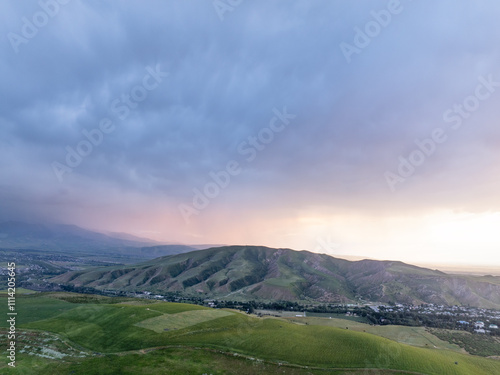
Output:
(275, 363)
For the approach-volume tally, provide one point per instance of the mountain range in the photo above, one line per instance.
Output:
(262, 273)
(76, 241)
(243, 272)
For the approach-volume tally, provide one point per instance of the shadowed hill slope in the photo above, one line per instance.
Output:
(255, 272)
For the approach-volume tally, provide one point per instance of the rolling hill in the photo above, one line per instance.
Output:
(67, 333)
(253, 272)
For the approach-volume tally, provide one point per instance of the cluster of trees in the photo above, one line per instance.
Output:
(288, 306)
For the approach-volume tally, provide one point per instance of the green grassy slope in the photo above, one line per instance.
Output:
(112, 328)
(415, 336)
(174, 361)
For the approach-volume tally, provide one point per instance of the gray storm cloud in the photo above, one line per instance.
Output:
(354, 119)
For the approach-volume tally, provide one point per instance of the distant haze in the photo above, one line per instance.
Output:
(465, 269)
(389, 151)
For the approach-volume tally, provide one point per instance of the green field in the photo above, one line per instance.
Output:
(128, 337)
(167, 322)
(415, 336)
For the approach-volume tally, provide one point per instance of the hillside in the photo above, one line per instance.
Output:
(100, 335)
(252, 272)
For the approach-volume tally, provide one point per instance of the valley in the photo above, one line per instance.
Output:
(243, 310)
(71, 333)
(261, 273)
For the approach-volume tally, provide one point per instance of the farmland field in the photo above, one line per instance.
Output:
(129, 337)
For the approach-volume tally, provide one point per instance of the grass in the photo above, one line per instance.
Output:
(173, 361)
(337, 316)
(34, 307)
(112, 329)
(102, 328)
(181, 320)
(173, 308)
(415, 336)
(275, 340)
(89, 298)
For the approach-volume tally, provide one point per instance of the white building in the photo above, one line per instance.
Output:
(479, 325)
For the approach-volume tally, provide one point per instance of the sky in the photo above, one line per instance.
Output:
(367, 128)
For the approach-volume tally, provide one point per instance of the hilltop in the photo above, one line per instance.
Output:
(262, 273)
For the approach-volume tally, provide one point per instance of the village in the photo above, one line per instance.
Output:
(478, 320)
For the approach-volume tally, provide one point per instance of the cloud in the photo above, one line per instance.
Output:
(353, 120)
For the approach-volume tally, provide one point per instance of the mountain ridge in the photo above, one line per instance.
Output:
(259, 272)
(73, 240)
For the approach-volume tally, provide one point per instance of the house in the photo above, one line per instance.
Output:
(479, 324)
(493, 326)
